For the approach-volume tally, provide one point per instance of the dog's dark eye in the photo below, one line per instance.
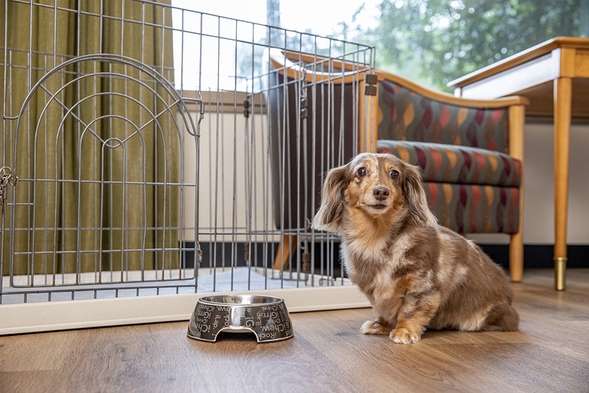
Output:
(394, 174)
(362, 172)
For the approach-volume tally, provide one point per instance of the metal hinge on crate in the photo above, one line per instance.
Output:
(6, 177)
(303, 95)
(371, 81)
(246, 107)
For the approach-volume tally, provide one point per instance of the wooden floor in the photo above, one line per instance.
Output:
(327, 354)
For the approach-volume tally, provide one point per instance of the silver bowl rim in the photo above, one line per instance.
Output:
(245, 300)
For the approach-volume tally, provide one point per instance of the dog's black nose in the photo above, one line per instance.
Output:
(380, 193)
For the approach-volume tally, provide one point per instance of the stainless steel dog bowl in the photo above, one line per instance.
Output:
(265, 316)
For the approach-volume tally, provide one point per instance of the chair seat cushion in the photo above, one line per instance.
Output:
(443, 163)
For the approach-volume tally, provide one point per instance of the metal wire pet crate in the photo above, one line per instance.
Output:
(151, 150)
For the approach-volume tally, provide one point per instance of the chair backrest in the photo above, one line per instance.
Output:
(412, 113)
(314, 120)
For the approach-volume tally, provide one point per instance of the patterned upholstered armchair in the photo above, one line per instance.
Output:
(470, 153)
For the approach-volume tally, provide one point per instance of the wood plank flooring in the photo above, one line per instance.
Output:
(327, 354)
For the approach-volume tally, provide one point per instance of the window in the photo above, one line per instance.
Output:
(428, 41)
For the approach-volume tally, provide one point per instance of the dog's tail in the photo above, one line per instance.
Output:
(502, 317)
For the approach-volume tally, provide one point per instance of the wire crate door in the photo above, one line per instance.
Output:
(97, 147)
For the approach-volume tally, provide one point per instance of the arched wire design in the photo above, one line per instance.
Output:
(98, 150)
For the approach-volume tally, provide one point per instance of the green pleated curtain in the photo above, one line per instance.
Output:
(94, 151)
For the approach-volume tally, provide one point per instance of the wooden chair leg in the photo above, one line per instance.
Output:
(516, 257)
(284, 252)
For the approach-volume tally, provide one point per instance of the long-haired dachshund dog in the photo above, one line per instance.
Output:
(416, 274)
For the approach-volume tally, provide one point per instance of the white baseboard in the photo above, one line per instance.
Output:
(78, 314)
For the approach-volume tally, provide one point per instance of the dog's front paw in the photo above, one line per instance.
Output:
(403, 335)
(375, 327)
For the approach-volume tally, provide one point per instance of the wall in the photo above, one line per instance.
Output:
(234, 185)
(539, 187)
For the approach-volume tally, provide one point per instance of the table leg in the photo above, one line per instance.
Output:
(562, 129)
(517, 121)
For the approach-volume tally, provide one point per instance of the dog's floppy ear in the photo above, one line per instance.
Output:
(329, 216)
(415, 196)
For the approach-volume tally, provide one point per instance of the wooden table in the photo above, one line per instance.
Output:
(554, 76)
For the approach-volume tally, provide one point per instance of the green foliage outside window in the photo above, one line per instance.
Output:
(436, 41)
